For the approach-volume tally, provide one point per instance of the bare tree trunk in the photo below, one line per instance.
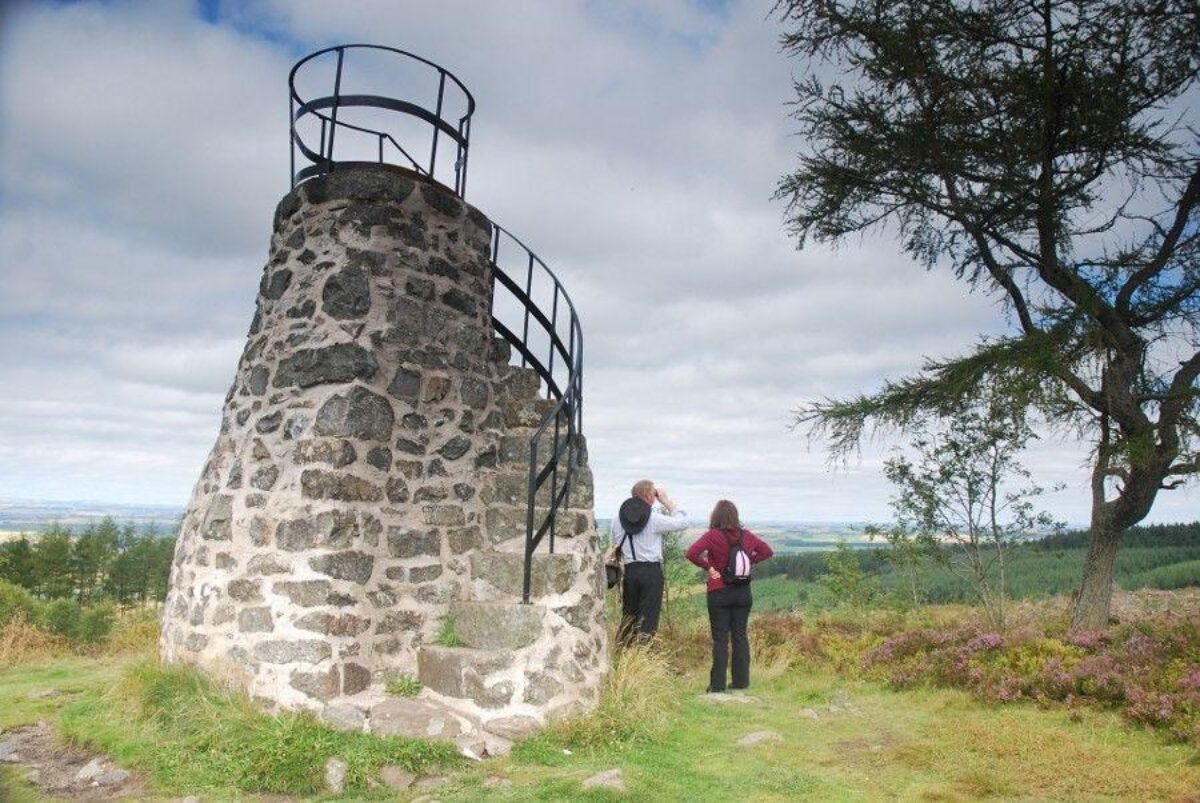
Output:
(1002, 591)
(1110, 520)
(1095, 591)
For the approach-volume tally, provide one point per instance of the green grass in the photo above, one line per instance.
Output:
(447, 635)
(14, 788)
(72, 677)
(190, 735)
(1170, 576)
(914, 745)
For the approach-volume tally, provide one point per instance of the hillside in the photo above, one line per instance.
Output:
(824, 719)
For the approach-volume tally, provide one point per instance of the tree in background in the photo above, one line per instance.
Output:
(52, 563)
(909, 553)
(846, 580)
(139, 571)
(16, 563)
(1037, 150)
(92, 552)
(103, 562)
(967, 498)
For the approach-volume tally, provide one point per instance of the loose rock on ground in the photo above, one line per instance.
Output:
(64, 771)
(758, 737)
(609, 779)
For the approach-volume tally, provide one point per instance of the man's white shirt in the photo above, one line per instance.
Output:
(647, 545)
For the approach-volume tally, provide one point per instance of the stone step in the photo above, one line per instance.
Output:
(505, 572)
(504, 523)
(515, 446)
(497, 625)
(511, 486)
(513, 454)
(462, 672)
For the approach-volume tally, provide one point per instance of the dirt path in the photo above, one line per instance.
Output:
(63, 771)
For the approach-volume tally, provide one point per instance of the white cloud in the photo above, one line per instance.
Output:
(634, 146)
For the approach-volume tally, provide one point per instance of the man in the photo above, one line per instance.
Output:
(639, 528)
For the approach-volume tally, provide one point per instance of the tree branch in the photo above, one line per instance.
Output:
(1183, 212)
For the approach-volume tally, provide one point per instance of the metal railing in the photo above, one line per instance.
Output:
(556, 355)
(329, 113)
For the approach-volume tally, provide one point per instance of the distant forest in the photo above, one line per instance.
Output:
(1152, 556)
(128, 565)
(98, 562)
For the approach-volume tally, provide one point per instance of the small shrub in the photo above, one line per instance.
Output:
(1031, 657)
(845, 578)
(61, 617)
(17, 602)
(403, 686)
(21, 642)
(95, 623)
(135, 630)
(1150, 671)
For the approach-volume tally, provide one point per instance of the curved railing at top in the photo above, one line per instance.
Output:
(529, 306)
(549, 339)
(348, 115)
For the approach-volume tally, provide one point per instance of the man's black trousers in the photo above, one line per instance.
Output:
(642, 593)
(728, 615)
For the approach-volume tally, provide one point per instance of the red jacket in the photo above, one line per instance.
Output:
(712, 550)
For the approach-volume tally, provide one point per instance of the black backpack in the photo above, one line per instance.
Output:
(737, 568)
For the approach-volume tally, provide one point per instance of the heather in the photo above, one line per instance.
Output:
(1147, 667)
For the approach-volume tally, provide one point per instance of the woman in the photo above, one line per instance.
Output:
(728, 605)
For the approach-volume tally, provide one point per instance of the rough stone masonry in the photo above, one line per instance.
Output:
(369, 480)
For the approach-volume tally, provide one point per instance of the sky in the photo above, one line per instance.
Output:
(635, 146)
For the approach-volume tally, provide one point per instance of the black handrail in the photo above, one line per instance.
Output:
(567, 415)
(322, 158)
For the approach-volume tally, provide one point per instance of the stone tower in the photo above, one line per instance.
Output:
(368, 493)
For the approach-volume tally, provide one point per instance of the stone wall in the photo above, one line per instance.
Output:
(369, 454)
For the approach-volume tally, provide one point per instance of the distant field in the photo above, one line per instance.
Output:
(1158, 556)
(31, 516)
(784, 536)
(16, 535)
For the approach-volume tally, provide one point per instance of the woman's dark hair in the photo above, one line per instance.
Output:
(724, 516)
